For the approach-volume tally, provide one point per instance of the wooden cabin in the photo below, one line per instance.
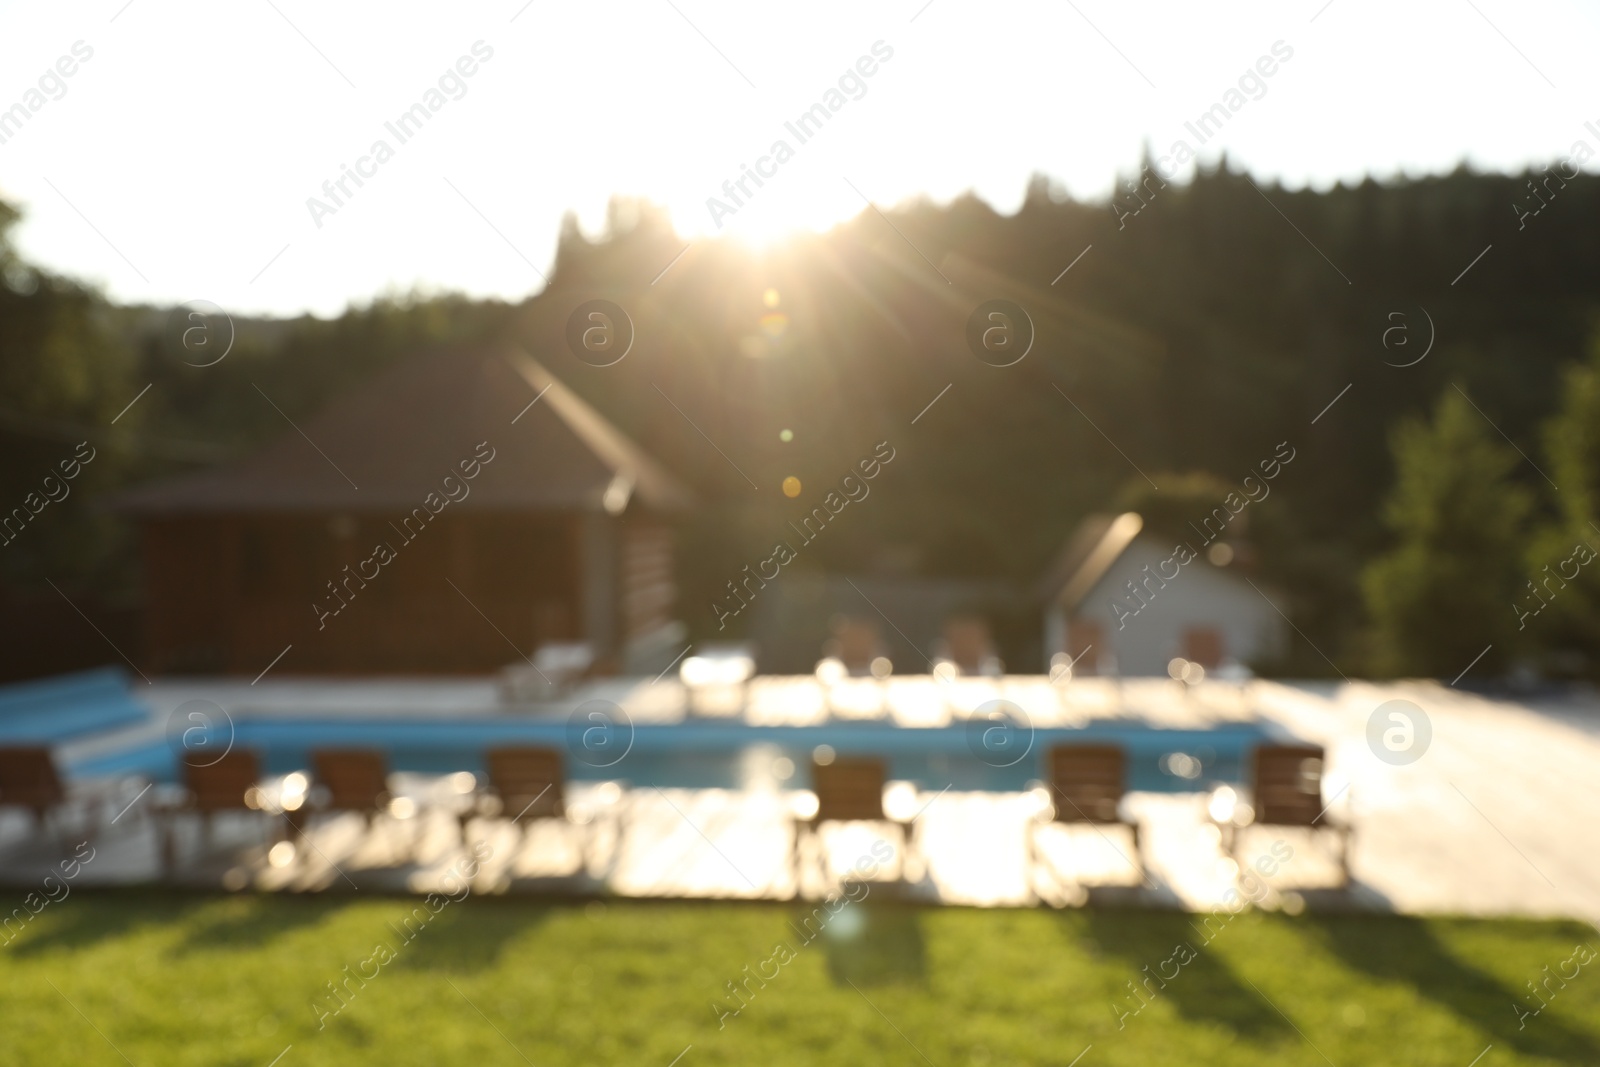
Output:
(451, 516)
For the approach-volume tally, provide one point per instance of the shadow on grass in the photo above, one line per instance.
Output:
(465, 936)
(872, 944)
(1399, 949)
(1206, 988)
(251, 922)
(64, 927)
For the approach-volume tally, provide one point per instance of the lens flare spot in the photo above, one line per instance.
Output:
(786, 436)
(770, 298)
(791, 487)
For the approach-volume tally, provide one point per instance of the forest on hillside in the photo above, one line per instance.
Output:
(1424, 346)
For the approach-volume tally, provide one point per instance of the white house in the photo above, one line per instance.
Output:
(1119, 600)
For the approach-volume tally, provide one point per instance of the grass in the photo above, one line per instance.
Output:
(234, 980)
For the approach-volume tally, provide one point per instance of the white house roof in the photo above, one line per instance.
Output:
(1097, 544)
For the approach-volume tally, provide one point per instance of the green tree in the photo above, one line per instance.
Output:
(1449, 586)
(1184, 499)
(1562, 594)
(61, 371)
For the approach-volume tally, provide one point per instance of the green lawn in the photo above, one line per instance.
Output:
(234, 980)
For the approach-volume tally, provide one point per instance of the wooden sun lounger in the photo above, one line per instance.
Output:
(221, 786)
(29, 779)
(224, 785)
(1087, 783)
(528, 782)
(849, 789)
(356, 779)
(350, 780)
(1287, 784)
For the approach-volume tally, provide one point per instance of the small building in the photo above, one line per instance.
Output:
(1119, 600)
(453, 515)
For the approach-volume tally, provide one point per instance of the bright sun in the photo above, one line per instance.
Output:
(802, 201)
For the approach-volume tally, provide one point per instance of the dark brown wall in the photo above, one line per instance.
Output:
(43, 634)
(228, 593)
(648, 588)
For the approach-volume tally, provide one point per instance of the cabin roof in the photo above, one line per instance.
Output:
(389, 443)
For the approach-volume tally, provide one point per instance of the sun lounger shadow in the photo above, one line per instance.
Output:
(464, 937)
(252, 921)
(61, 927)
(1404, 949)
(873, 944)
(1205, 988)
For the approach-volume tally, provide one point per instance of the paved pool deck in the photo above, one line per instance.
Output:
(1497, 817)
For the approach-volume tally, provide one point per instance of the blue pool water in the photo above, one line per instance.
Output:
(702, 755)
(52, 710)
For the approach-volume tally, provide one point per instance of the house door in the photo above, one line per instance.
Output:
(1203, 645)
(1085, 644)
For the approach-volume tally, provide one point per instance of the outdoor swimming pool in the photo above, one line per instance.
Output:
(721, 754)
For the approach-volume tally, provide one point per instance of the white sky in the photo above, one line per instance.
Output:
(193, 137)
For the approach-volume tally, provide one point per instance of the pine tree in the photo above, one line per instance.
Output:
(1450, 585)
(1562, 594)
